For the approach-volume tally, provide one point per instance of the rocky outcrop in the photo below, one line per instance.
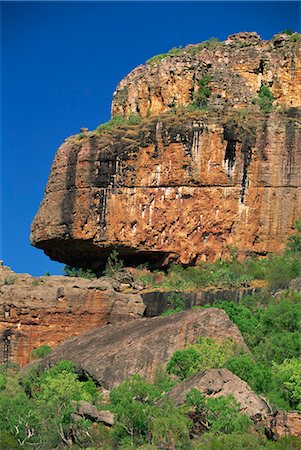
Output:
(183, 186)
(49, 310)
(157, 302)
(85, 410)
(280, 424)
(176, 192)
(114, 352)
(217, 382)
(238, 67)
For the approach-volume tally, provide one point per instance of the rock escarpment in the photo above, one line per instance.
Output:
(183, 186)
(49, 310)
(112, 353)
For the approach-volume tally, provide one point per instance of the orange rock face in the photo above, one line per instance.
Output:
(237, 66)
(183, 186)
(49, 310)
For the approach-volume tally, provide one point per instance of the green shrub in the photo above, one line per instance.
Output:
(257, 375)
(206, 354)
(133, 405)
(9, 280)
(222, 413)
(282, 269)
(295, 37)
(201, 96)
(41, 352)
(114, 264)
(288, 375)
(156, 59)
(177, 304)
(8, 442)
(70, 271)
(294, 241)
(265, 99)
(246, 441)
(184, 363)
(2, 382)
(135, 119)
(288, 31)
(169, 427)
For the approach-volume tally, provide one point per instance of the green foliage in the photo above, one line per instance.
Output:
(206, 354)
(265, 99)
(43, 417)
(115, 122)
(221, 413)
(210, 44)
(9, 280)
(282, 269)
(135, 119)
(295, 37)
(184, 363)
(243, 317)
(162, 380)
(41, 352)
(7, 442)
(294, 241)
(114, 264)
(201, 96)
(2, 382)
(246, 441)
(224, 415)
(169, 427)
(257, 375)
(191, 50)
(70, 271)
(288, 31)
(133, 404)
(176, 304)
(288, 375)
(156, 59)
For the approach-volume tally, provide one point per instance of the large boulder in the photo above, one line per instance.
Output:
(217, 382)
(114, 352)
(280, 424)
(183, 187)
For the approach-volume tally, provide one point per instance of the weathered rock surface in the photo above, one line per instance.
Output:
(114, 352)
(217, 382)
(238, 67)
(183, 187)
(88, 411)
(49, 310)
(280, 424)
(295, 284)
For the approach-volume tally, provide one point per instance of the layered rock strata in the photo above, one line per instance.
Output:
(238, 67)
(114, 352)
(49, 310)
(184, 186)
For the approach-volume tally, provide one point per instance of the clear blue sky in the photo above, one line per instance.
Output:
(60, 65)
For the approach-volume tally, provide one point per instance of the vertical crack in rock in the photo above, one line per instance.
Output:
(246, 150)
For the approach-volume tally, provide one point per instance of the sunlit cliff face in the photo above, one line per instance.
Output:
(183, 186)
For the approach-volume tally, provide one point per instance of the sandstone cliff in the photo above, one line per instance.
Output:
(184, 185)
(49, 310)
